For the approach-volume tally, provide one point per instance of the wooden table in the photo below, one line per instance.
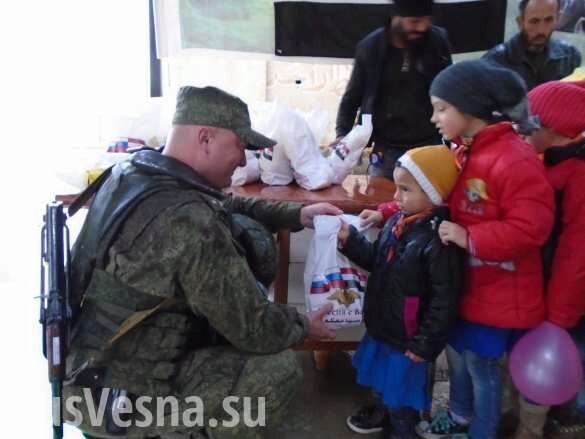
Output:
(358, 192)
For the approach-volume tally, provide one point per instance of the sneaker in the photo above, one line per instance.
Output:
(441, 426)
(369, 419)
(565, 423)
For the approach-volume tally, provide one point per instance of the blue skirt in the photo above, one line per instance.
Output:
(400, 381)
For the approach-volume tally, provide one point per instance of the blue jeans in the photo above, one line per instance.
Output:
(386, 167)
(476, 391)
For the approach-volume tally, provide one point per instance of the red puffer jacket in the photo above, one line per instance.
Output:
(504, 201)
(566, 285)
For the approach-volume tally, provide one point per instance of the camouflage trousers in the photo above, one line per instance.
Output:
(259, 388)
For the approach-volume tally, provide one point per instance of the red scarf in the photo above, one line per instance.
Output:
(461, 152)
(399, 227)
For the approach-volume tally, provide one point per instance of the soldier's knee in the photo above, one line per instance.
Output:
(290, 368)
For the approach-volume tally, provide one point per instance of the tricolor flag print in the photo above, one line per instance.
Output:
(344, 278)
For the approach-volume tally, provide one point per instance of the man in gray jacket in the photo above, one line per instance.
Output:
(533, 53)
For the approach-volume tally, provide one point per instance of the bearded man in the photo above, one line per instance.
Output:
(393, 69)
(533, 53)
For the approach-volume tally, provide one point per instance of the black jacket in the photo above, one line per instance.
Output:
(560, 60)
(411, 303)
(382, 83)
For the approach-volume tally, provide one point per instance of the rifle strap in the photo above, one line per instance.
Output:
(89, 192)
(136, 318)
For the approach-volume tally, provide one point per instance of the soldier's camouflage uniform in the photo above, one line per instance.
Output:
(173, 273)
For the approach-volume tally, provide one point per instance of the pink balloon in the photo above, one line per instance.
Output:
(545, 365)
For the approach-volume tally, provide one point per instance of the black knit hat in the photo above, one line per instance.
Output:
(486, 91)
(413, 8)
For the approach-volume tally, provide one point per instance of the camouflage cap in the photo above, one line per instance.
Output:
(211, 106)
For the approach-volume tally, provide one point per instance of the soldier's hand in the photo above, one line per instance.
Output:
(309, 212)
(372, 217)
(318, 330)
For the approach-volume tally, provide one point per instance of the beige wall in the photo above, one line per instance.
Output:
(302, 85)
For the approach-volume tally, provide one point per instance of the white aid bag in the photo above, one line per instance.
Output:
(331, 278)
(296, 154)
(271, 119)
(275, 167)
(310, 168)
(248, 173)
(346, 153)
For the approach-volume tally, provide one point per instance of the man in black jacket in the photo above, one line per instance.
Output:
(532, 52)
(393, 69)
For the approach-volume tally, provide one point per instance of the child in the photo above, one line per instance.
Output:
(413, 290)
(561, 109)
(502, 209)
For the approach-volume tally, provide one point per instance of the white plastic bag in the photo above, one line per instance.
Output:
(318, 120)
(296, 154)
(148, 119)
(346, 153)
(275, 167)
(331, 278)
(310, 168)
(270, 119)
(248, 173)
(73, 166)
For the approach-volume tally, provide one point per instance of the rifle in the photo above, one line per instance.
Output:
(55, 311)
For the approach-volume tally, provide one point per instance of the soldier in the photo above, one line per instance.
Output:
(171, 307)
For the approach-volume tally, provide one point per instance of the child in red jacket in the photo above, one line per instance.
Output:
(502, 210)
(560, 107)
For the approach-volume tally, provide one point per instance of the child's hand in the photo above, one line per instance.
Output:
(371, 217)
(451, 232)
(413, 357)
(343, 233)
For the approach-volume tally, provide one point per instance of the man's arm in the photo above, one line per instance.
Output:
(352, 98)
(279, 215)
(274, 215)
(497, 55)
(218, 284)
(444, 51)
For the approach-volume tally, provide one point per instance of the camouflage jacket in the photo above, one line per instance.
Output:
(173, 265)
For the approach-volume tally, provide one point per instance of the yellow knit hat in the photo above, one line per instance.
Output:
(433, 168)
(577, 75)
